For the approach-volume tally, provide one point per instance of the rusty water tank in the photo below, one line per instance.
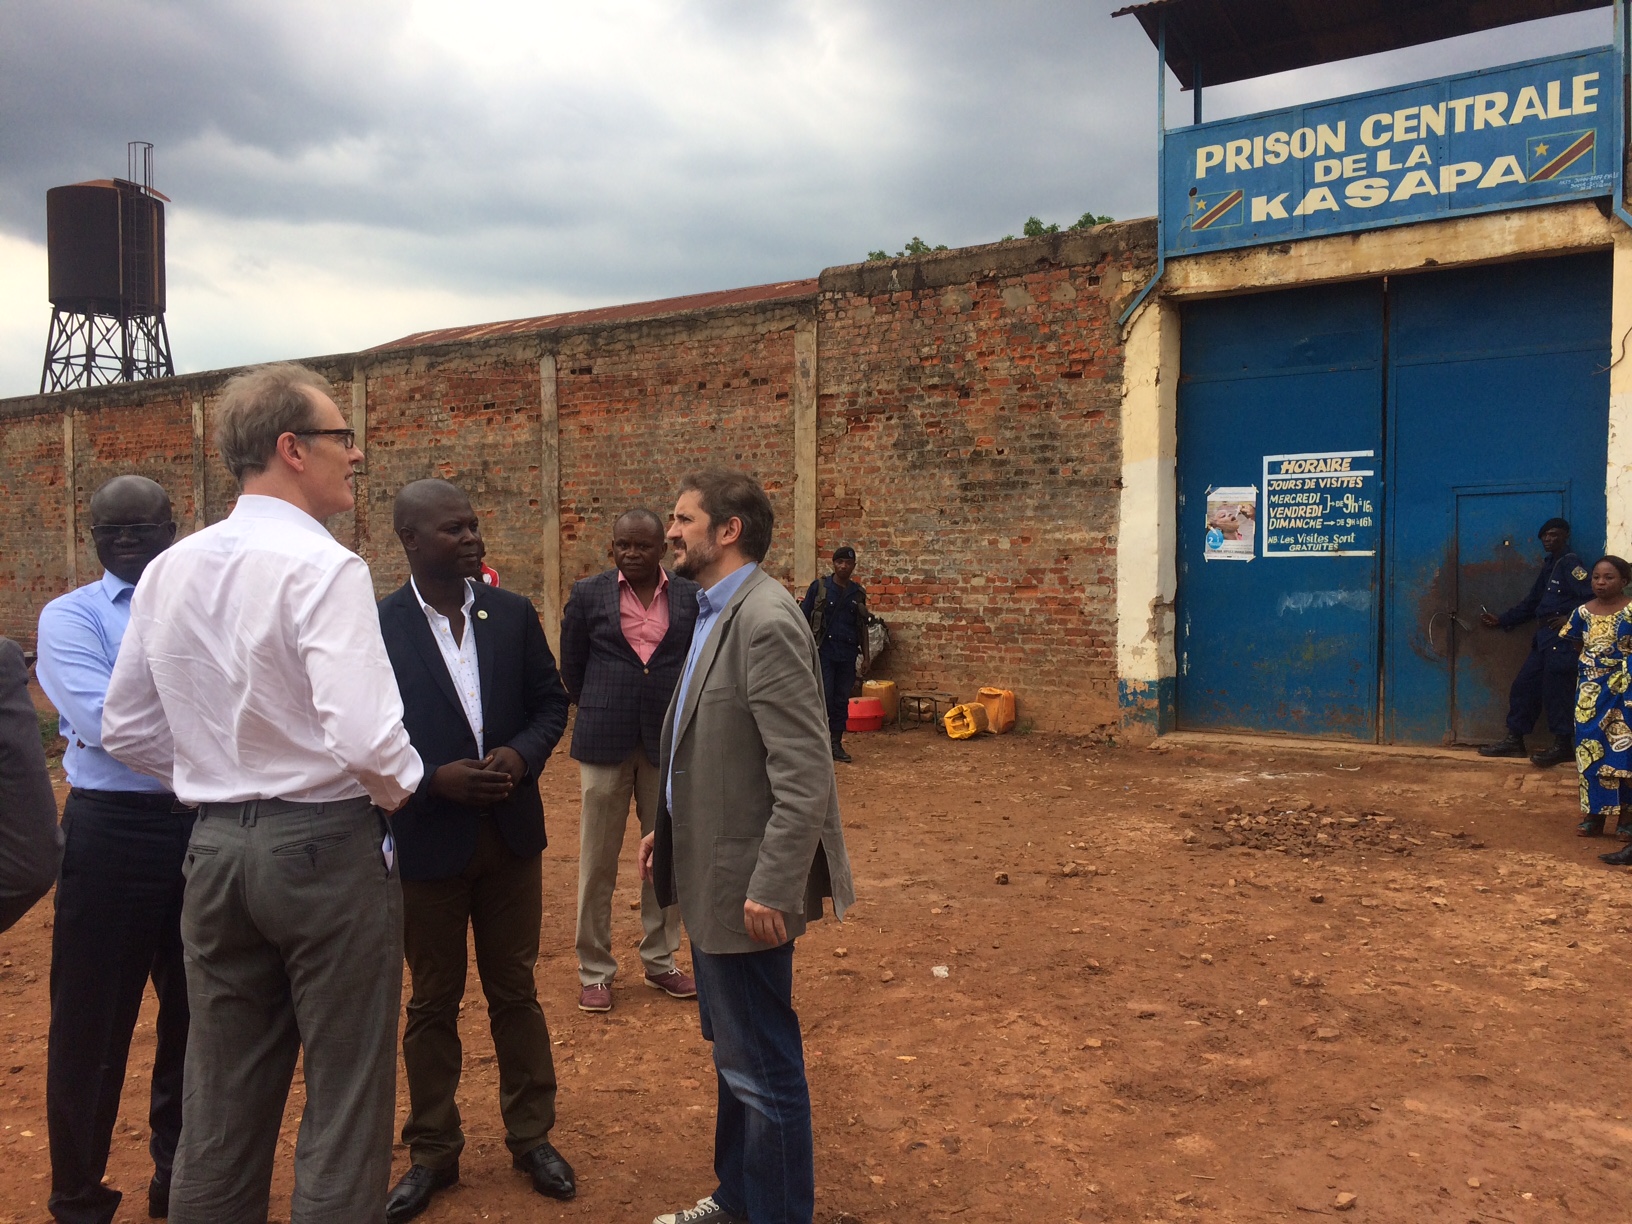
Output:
(105, 246)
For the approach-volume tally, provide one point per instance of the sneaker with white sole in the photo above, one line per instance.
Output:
(707, 1211)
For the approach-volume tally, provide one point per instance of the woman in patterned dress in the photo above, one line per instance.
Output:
(1603, 738)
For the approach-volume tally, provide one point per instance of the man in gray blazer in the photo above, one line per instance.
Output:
(748, 842)
(30, 842)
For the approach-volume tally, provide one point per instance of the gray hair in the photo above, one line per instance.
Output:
(258, 407)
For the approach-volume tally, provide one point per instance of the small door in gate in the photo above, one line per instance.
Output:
(1497, 559)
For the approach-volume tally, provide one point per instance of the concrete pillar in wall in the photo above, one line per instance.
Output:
(1618, 484)
(359, 422)
(198, 462)
(804, 453)
(71, 540)
(1146, 537)
(549, 503)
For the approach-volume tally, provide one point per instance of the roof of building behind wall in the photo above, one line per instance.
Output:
(608, 314)
(1237, 39)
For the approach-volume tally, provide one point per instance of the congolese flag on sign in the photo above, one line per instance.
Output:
(1216, 212)
(1563, 155)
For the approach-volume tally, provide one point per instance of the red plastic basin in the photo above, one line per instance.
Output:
(866, 714)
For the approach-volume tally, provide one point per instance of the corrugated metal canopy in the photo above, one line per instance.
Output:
(1232, 40)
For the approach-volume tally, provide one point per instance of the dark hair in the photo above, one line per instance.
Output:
(1621, 567)
(726, 495)
(641, 514)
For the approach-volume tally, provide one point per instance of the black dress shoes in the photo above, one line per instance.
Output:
(158, 1197)
(1620, 858)
(1507, 746)
(414, 1192)
(551, 1174)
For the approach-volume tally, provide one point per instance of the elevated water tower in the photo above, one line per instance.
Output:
(105, 243)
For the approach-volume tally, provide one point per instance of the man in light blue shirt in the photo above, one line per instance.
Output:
(710, 603)
(118, 918)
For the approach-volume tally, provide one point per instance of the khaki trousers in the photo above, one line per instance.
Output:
(498, 898)
(606, 791)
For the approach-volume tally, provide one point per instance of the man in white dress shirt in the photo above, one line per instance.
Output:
(254, 683)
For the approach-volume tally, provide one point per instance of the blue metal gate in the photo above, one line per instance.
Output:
(1352, 611)
(1275, 643)
(1498, 392)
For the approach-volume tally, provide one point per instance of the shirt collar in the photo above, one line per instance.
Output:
(115, 587)
(713, 601)
(662, 580)
(470, 597)
(260, 506)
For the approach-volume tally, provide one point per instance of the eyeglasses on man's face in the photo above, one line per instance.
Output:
(347, 437)
(107, 533)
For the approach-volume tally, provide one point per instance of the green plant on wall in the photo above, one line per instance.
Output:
(916, 247)
(1034, 228)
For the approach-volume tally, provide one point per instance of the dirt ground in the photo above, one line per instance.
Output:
(1223, 981)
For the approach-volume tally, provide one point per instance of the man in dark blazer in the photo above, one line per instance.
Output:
(624, 637)
(30, 842)
(484, 707)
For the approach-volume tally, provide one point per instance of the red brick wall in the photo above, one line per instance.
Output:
(469, 418)
(33, 552)
(969, 447)
(641, 407)
(111, 440)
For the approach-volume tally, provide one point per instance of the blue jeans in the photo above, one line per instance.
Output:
(764, 1154)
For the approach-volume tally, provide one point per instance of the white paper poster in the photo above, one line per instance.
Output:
(1321, 505)
(1232, 520)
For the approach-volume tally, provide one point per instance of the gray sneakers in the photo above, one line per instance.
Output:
(707, 1211)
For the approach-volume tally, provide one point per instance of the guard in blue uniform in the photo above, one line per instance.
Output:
(836, 608)
(1547, 679)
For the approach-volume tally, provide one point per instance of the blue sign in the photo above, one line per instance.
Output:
(1531, 133)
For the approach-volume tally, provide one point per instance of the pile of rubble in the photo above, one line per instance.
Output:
(1298, 827)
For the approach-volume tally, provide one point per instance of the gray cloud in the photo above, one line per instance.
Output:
(598, 154)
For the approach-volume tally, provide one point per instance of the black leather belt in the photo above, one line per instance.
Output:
(146, 801)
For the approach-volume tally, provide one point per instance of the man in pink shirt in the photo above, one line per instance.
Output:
(624, 638)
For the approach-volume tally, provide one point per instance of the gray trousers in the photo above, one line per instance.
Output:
(292, 930)
(606, 790)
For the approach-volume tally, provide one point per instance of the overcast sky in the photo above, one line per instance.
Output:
(344, 172)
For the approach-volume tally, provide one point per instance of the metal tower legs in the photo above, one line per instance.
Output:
(91, 350)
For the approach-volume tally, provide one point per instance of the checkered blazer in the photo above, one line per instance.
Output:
(621, 701)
